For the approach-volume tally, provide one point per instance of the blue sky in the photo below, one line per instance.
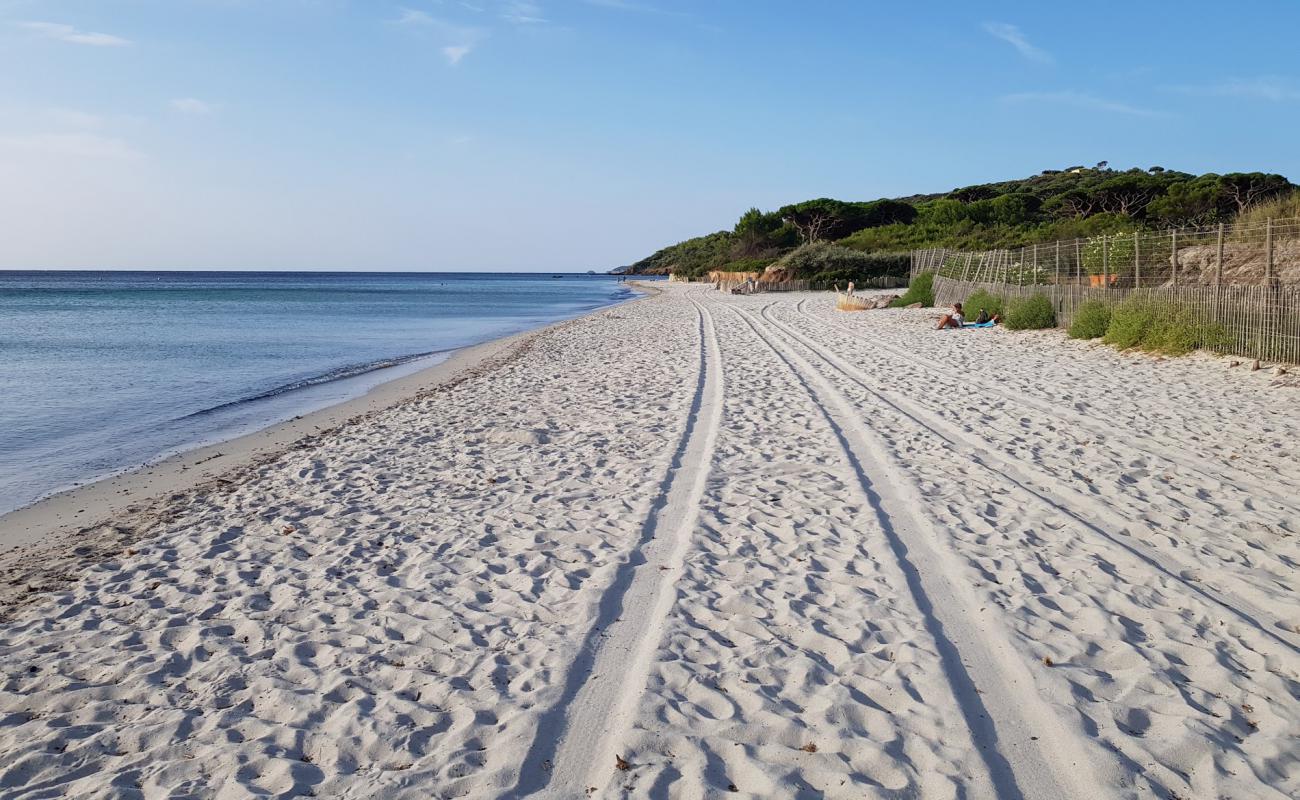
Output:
(582, 134)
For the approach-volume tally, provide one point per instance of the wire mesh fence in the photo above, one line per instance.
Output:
(1243, 280)
(1247, 255)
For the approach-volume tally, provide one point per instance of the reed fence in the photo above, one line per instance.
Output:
(878, 282)
(1259, 321)
(1252, 255)
(1244, 278)
(760, 286)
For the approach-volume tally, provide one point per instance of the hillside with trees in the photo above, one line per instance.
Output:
(826, 239)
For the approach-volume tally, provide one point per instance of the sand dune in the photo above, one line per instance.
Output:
(704, 545)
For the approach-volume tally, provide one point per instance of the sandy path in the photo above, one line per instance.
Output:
(750, 545)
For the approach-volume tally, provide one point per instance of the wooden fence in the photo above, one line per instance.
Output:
(1259, 321)
(759, 287)
(879, 282)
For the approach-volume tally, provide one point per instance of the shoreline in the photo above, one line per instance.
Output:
(43, 523)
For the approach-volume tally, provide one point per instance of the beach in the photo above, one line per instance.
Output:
(694, 545)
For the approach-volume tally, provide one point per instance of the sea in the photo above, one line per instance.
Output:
(104, 371)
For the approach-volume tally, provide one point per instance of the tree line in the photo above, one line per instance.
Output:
(1055, 204)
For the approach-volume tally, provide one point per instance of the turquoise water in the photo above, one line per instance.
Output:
(103, 371)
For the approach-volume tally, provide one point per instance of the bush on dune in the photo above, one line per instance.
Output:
(825, 261)
(1030, 313)
(980, 299)
(921, 290)
(1091, 320)
(1130, 323)
(1161, 328)
(1177, 332)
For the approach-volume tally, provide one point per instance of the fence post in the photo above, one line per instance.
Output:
(1058, 261)
(965, 268)
(1268, 246)
(1173, 254)
(1218, 261)
(1105, 261)
(1137, 263)
(1078, 263)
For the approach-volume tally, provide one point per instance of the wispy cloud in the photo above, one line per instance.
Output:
(1013, 36)
(1271, 88)
(521, 12)
(456, 52)
(192, 105)
(630, 5)
(458, 40)
(67, 33)
(77, 145)
(416, 18)
(1080, 100)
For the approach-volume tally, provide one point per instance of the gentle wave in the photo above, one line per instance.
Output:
(338, 374)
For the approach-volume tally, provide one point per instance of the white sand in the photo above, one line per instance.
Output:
(746, 545)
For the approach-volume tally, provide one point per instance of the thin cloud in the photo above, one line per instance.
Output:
(455, 52)
(458, 40)
(628, 5)
(1270, 88)
(1080, 100)
(192, 105)
(412, 17)
(621, 5)
(67, 33)
(1013, 36)
(523, 13)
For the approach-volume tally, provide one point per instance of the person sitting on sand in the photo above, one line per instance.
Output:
(953, 320)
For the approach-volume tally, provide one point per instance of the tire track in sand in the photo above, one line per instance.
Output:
(990, 679)
(572, 750)
(1058, 497)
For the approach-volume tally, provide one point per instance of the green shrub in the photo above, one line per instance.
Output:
(826, 258)
(1161, 328)
(1178, 332)
(921, 290)
(1130, 323)
(1030, 313)
(1171, 332)
(1283, 206)
(982, 299)
(746, 265)
(1091, 320)
(1113, 254)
